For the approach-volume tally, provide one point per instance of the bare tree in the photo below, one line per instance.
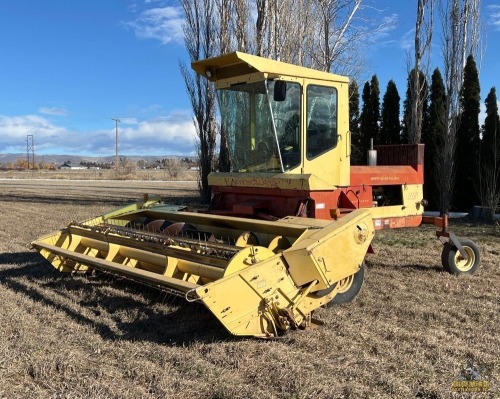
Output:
(284, 30)
(199, 32)
(423, 40)
(341, 30)
(242, 13)
(304, 18)
(288, 30)
(488, 184)
(172, 168)
(225, 10)
(457, 43)
(332, 28)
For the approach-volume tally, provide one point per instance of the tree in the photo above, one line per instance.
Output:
(333, 30)
(465, 194)
(199, 32)
(341, 29)
(365, 125)
(225, 8)
(354, 122)
(289, 31)
(408, 107)
(432, 137)
(390, 127)
(417, 89)
(375, 109)
(460, 19)
(489, 161)
(370, 116)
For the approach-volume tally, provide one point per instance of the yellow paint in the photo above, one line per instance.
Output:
(326, 171)
(260, 289)
(258, 286)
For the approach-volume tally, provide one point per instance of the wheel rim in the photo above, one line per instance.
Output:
(345, 284)
(464, 265)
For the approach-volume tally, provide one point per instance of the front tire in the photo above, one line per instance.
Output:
(453, 261)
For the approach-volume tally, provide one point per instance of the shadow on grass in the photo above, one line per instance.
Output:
(96, 200)
(185, 323)
(416, 267)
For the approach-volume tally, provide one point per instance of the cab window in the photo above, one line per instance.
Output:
(321, 135)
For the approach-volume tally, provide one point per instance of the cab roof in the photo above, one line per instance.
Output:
(235, 64)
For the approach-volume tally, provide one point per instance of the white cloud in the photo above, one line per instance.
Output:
(384, 29)
(54, 111)
(161, 23)
(129, 121)
(173, 134)
(494, 15)
(407, 41)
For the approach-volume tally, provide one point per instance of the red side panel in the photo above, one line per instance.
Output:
(398, 165)
(385, 175)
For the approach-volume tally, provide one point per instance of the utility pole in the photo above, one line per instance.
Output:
(30, 147)
(116, 129)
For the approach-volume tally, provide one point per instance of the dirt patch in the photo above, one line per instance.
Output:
(409, 334)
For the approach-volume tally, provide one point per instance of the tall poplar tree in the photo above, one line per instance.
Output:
(461, 35)
(409, 109)
(432, 138)
(465, 193)
(390, 127)
(199, 31)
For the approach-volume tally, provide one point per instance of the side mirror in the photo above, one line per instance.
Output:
(279, 90)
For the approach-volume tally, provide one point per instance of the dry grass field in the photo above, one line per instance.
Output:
(101, 174)
(408, 335)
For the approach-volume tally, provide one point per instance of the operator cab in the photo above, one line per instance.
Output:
(281, 120)
(262, 121)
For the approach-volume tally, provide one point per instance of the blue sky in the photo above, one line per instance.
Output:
(67, 67)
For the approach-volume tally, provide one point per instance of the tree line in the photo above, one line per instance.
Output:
(477, 154)
(462, 158)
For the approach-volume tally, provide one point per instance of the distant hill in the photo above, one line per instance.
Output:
(76, 159)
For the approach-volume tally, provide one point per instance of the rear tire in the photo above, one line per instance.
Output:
(350, 288)
(453, 261)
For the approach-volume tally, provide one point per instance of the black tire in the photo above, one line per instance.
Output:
(353, 291)
(444, 255)
(454, 263)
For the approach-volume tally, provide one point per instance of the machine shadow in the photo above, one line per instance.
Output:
(159, 318)
(415, 267)
(80, 200)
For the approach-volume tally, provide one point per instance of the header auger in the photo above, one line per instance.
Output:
(288, 228)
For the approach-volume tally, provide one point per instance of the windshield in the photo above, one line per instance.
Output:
(263, 135)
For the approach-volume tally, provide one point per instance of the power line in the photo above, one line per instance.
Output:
(116, 129)
(30, 147)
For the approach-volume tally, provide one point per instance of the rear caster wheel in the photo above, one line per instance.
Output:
(453, 261)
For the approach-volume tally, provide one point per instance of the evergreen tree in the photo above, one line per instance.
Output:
(365, 128)
(390, 127)
(432, 137)
(375, 109)
(407, 105)
(465, 193)
(354, 122)
(489, 172)
(491, 136)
